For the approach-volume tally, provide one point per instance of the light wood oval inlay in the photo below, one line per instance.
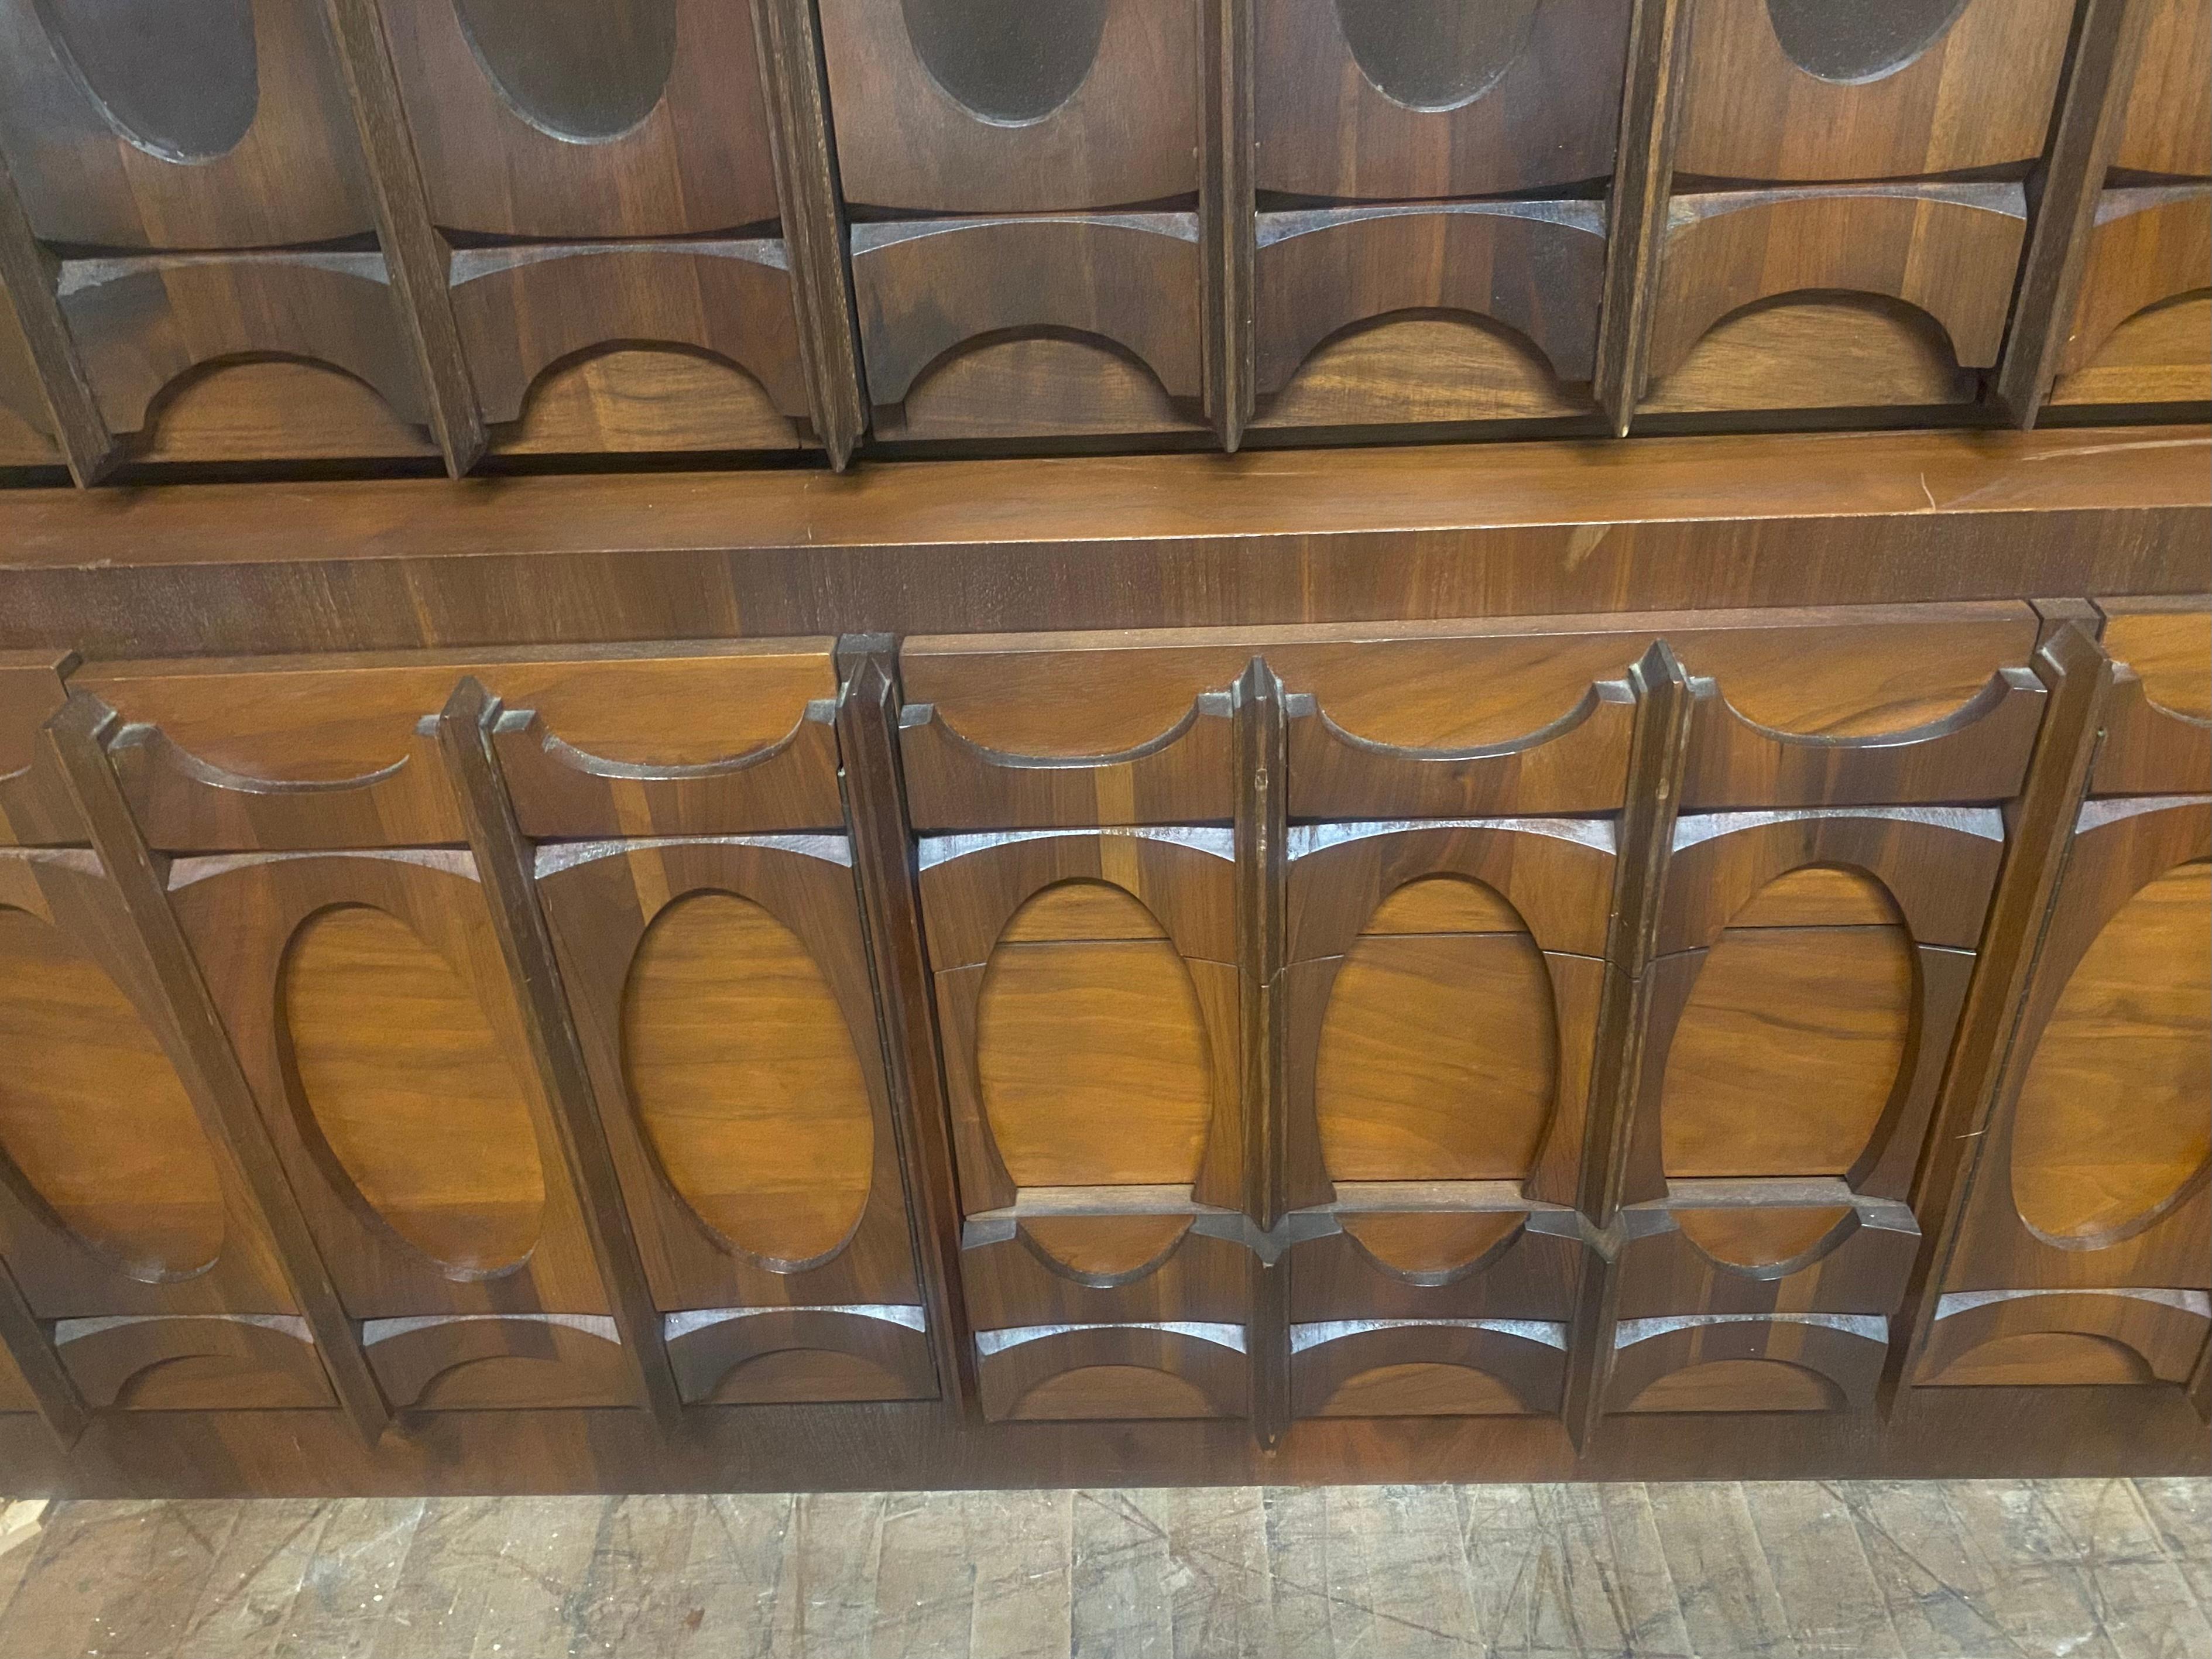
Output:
(1439, 1052)
(1787, 1051)
(2116, 1113)
(94, 1116)
(743, 1075)
(397, 1070)
(1091, 1052)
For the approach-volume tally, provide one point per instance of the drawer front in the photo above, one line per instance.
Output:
(1805, 89)
(616, 117)
(2166, 126)
(2083, 1250)
(943, 107)
(2137, 333)
(219, 125)
(1378, 101)
(2158, 723)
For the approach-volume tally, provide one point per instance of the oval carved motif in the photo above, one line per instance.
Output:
(584, 71)
(2116, 1112)
(180, 81)
(1091, 1050)
(1859, 42)
(93, 1115)
(1791, 1041)
(1435, 55)
(398, 1072)
(1008, 62)
(743, 1076)
(1439, 1053)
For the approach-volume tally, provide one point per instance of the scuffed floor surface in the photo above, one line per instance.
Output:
(2086, 1568)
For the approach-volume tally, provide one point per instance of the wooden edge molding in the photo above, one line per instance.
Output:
(1636, 225)
(1228, 216)
(1262, 833)
(27, 280)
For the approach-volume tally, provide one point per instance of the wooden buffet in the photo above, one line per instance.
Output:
(1141, 741)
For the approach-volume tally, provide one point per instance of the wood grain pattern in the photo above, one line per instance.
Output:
(2152, 357)
(1948, 250)
(26, 424)
(522, 310)
(1636, 207)
(1527, 99)
(1536, 267)
(35, 806)
(722, 996)
(1130, 279)
(2166, 124)
(1425, 370)
(2158, 730)
(1125, 132)
(2044, 1339)
(697, 163)
(1978, 95)
(2144, 246)
(293, 174)
(203, 1362)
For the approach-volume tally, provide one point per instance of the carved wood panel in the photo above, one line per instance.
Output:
(2137, 333)
(367, 999)
(1440, 1009)
(2082, 1251)
(1809, 974)
(2157, 726)
(723, 992)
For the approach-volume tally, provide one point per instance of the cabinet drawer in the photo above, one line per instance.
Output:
(1369, 101)
(335, 751)
(604, 118)
(1925, 273)
(2158, 723)
(1531, 272)
(1806, 89)
(217, 126)
(943, 107)
(1121, 291)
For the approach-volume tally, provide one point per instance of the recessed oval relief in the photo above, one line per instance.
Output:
(1009, 62)
(1436, 54)
(1438, 1056)
(1793, 1036)
(743, 1076)
(1855, 40)
(2116, 1112)
(94, 1116)
(177, 78)
(1090, 1049)
(399, 1073)
(585, 70)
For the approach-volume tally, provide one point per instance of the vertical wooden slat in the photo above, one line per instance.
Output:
(1658, 751)
(2108, 34)
(1228, 215)
(60, 1405)
(1636, 217)
(2039, 828)
(26, 281)
(898, 960)
(210, 1068)
(506, 866)
(413, 252)
(1262, 870)
(792, 76)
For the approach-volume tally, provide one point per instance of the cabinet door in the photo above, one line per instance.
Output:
(722, 991)
(585, 118)
(1809, 974)
(953, 107)
(370, 1008)
(2139, 331)
(2167, 126)
(149, 125)
(1087, 993)
(121, 1219)
(1439, 1012)
(1370, 100)
(249, 753)
(1805, 89)
(2084, 1247)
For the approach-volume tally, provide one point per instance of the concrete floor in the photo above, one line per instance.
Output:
(2088, 1570)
